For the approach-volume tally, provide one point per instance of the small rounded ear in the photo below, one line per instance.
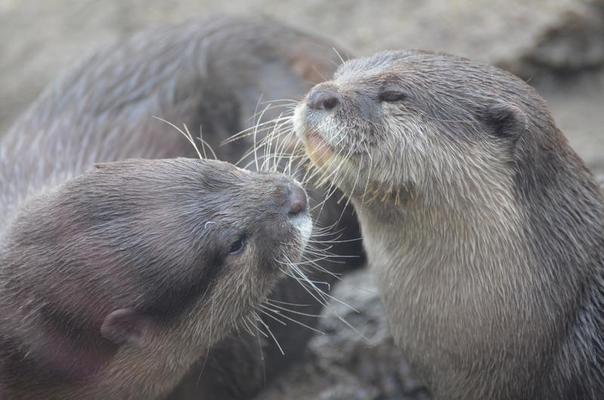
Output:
(125, 326)
(504, 120)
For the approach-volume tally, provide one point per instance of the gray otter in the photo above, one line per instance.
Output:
(108, 292)
(484, 227)
(209, 73)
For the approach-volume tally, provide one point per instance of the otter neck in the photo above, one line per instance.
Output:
(448, 256)
(449, 227)
(445, 275)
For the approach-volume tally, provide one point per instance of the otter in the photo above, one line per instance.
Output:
(483, 226)
(214, 74)
(108, 292)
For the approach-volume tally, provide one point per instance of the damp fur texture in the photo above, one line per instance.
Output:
(483, 225)
(77, 241)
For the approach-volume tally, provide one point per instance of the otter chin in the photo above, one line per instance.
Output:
(488, 239)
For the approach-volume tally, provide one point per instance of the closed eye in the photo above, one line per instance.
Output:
(391, 96)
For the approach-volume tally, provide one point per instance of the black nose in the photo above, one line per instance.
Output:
(323, 99)
(296, 200)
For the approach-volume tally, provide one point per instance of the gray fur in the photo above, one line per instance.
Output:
(209, 74)
(484, 227)
(100, 243)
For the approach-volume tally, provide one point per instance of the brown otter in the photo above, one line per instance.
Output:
(212, 74)
(108, 292)
(484, 227)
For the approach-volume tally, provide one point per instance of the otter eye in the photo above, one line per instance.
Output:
(392, 96)
(238, 245)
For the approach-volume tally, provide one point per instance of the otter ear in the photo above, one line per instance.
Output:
(504, 120)
(125, 326)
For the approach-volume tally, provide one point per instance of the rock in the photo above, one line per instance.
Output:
(355, 358)
(573, 45)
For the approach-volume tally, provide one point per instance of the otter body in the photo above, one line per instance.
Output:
(485, 229)
(63, 279)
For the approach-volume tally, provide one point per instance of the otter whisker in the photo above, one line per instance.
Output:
(287, 303)
(247, 166)
(271, 316)
(325, 297)
(339, 55)
(205, 144)
(335, 241)
(297, 271)
(259, 126)
(290, 102)
(280, 310)
(325, 254)
(295, 321)
(285, 309)
(248, 328)
(324, 270)
(303, 285)
(280, 145)
(283, 142)
(271, 333)
(255, 139)
(186, 134)
(257, 145)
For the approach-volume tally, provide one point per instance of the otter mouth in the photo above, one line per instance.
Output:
(317, 148)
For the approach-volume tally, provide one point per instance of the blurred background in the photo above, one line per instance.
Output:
(556, 45)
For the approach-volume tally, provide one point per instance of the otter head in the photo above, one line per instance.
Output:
(121, 278)
(414, 126)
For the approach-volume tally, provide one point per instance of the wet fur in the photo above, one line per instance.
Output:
(210, 74)
(99, 243)
(484, 227)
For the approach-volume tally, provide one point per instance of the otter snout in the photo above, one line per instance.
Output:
(297, 202)
(322, 97)
(293, 203)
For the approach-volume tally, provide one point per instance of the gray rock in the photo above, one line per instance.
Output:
(573, 45)
(355, 358)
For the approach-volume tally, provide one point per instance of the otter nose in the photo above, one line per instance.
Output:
(297, 202)
(323, 99)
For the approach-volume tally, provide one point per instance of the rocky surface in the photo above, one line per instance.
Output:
(557, 45)
(355, 358)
